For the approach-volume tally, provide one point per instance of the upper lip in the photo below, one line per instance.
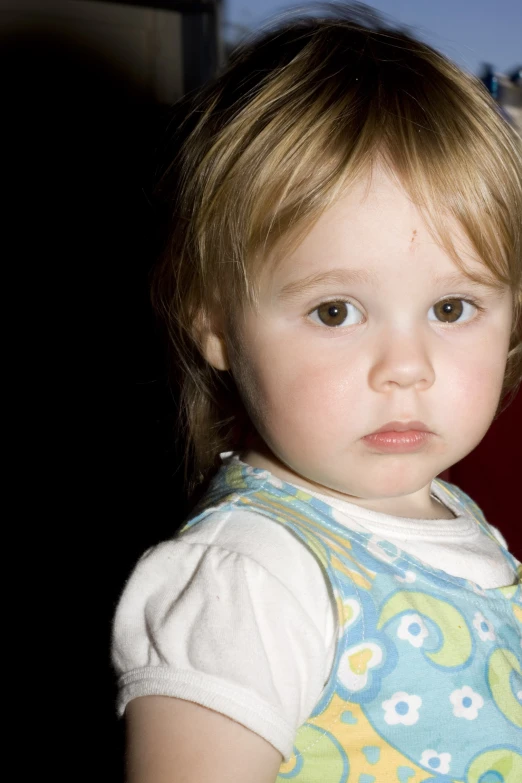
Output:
(402, 426)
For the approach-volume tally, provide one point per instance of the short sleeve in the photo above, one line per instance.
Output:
(200, 621)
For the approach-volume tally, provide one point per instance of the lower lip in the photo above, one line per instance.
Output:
(398, 442)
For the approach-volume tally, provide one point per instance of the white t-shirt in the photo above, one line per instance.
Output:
(236, 614)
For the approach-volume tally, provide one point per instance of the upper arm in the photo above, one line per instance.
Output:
(214, 626)
(170, 740)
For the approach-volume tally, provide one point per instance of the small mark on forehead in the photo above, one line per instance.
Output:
(414, 235)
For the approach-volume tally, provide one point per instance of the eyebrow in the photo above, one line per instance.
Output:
(475, 281)
(351, 276)
(332, 277)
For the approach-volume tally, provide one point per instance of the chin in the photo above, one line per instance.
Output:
(398, 483)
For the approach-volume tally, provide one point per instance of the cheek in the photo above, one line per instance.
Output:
(473, 387)
(298, 401)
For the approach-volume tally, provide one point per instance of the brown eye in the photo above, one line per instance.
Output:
(450, 310)
(333, 313)
(336, 314)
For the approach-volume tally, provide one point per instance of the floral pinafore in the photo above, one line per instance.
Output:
(426, 683)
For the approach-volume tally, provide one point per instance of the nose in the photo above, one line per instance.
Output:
(401, 360)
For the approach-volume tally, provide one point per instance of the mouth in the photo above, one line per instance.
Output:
(402, 426)
(398, 437)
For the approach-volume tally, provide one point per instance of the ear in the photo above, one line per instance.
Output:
(214, 349)
(212, 343)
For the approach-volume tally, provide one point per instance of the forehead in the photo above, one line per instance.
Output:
(376, 231)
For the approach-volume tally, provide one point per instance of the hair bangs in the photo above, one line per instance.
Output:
(320, 122)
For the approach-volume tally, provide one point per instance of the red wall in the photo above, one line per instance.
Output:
(492, 475)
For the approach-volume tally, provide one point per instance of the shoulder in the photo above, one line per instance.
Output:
(233, 614)
(256, 538)
(245, 536)
(230, 560)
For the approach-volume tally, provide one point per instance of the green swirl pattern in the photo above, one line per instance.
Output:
(500, 667)
(456, 638)
(496, 766)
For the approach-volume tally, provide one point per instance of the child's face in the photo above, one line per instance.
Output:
(314, 390)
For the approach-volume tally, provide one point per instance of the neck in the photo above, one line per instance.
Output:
(420, 505)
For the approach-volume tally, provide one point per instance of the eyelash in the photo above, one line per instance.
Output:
(330, 302)
(468, 300)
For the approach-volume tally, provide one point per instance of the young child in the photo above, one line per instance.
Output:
(343, 290)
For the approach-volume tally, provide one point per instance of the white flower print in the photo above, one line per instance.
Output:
(466, 703)
(413, 630)
(402, 708)
(484, 628)
(438, 762)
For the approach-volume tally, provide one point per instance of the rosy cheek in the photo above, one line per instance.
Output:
(472, 392)
(309, 398)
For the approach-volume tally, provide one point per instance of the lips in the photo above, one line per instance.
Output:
(402, 426)
(399, 437)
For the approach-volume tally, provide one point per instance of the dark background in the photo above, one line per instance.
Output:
(102, 463)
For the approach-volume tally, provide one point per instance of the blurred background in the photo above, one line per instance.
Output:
(89, 87)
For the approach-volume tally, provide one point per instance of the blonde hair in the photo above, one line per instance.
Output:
(297, 116)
